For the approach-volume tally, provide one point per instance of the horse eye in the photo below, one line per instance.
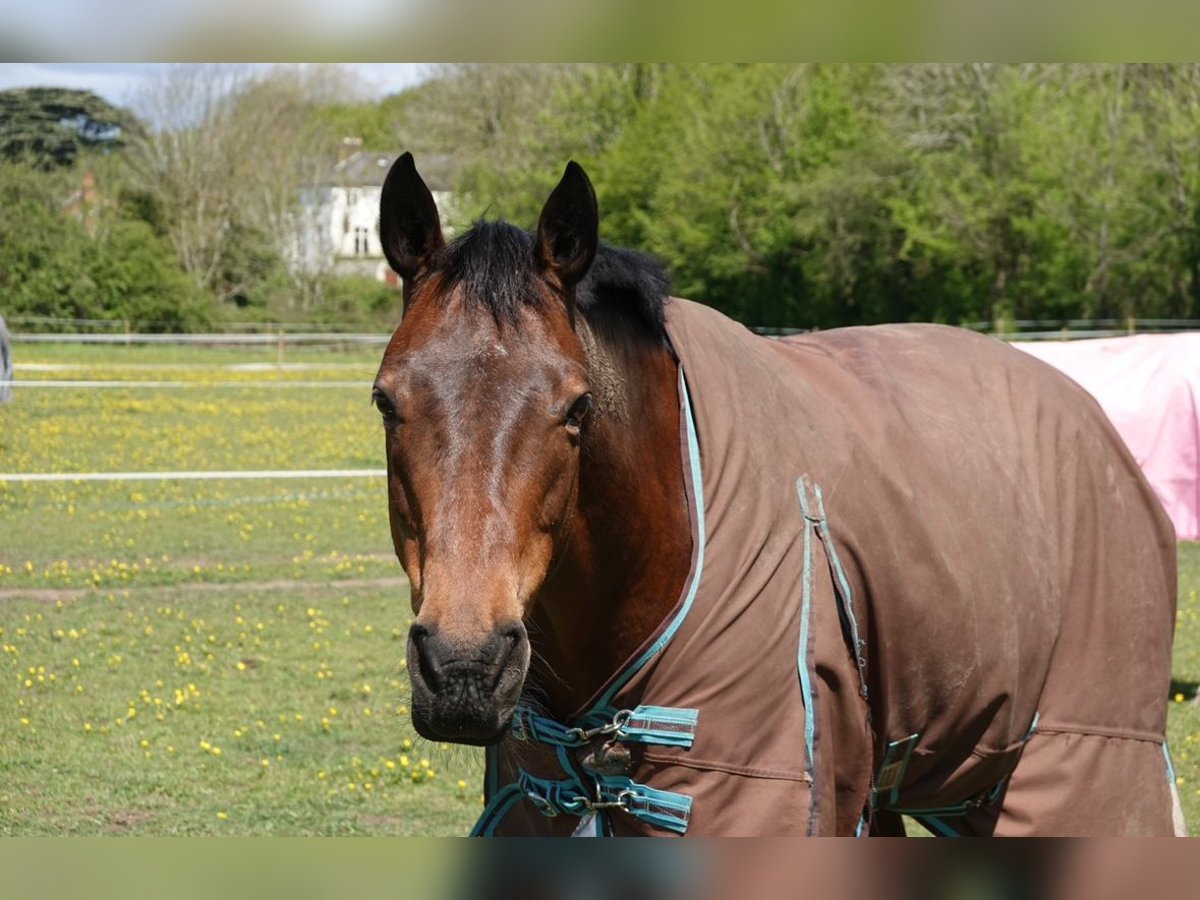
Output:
(385, 407)
(578, 411)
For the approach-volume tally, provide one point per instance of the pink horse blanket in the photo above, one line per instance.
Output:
(1149, 386)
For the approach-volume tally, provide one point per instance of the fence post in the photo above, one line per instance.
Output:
(279, 347)
(1129, 322)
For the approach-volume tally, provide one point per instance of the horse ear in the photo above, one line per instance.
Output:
(569, 228)
(409, 227)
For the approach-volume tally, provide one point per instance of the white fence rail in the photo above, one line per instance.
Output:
(65, 324)
(256, 384)
(236, 474)
(1050, 329)
(215, 338)
(280, 335)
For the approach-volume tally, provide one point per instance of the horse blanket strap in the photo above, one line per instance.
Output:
(657, 725)
(885, 794)
(663, 809)
(934, 820)
(493, 814)
(661, 725)
(959, 809)
(890, 776)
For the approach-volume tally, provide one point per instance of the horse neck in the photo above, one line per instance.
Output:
(628, 547)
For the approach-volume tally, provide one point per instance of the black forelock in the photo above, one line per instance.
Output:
(493, 263)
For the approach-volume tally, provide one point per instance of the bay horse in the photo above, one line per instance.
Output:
(681, 578)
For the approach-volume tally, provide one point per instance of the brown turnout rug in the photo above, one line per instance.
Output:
(928, 578)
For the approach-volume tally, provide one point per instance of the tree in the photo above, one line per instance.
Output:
(227, 164)
(49, 127)
(52, 265)
(41, 265)
(503, 128)
(378, 124)
(136, 280)
(765, 189)
(293, 166)
(1165, 183)
(1050, 192)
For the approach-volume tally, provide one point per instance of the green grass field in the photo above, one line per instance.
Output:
(207, 657)
(226, 656)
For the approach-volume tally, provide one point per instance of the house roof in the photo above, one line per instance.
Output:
(368, 168)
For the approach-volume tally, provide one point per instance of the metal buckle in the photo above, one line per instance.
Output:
(619, 720)
(621, 802)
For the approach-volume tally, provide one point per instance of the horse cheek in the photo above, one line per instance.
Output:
(550, 524)
(406, 546)
(410, 560)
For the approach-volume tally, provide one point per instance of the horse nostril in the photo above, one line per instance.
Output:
(511, 648)
(509, 640)
(510, 637)
(424, 643)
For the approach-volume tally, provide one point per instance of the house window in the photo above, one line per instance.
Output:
(362, 241)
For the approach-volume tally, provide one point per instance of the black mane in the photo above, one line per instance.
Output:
(494, 265)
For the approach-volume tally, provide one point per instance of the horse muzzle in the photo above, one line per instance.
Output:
(465, 692)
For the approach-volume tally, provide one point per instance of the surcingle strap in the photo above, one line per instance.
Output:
(890, 776)
(885, 794)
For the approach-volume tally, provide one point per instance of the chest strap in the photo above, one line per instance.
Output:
(663, 809)
(657, 725)
(662, 725)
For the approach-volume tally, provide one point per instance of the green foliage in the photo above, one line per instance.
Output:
(784, 195)
(88, 263)
(40, 258)
(342, 301)
(760, 185)
(832, 195)
(48, 127)
(137, 280)
(366, 121)
(358, 300)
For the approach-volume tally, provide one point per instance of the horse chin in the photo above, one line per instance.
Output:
(475, 731)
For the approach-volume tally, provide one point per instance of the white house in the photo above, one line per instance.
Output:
(338, 227)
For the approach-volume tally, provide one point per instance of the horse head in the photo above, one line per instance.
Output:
(485, 399)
